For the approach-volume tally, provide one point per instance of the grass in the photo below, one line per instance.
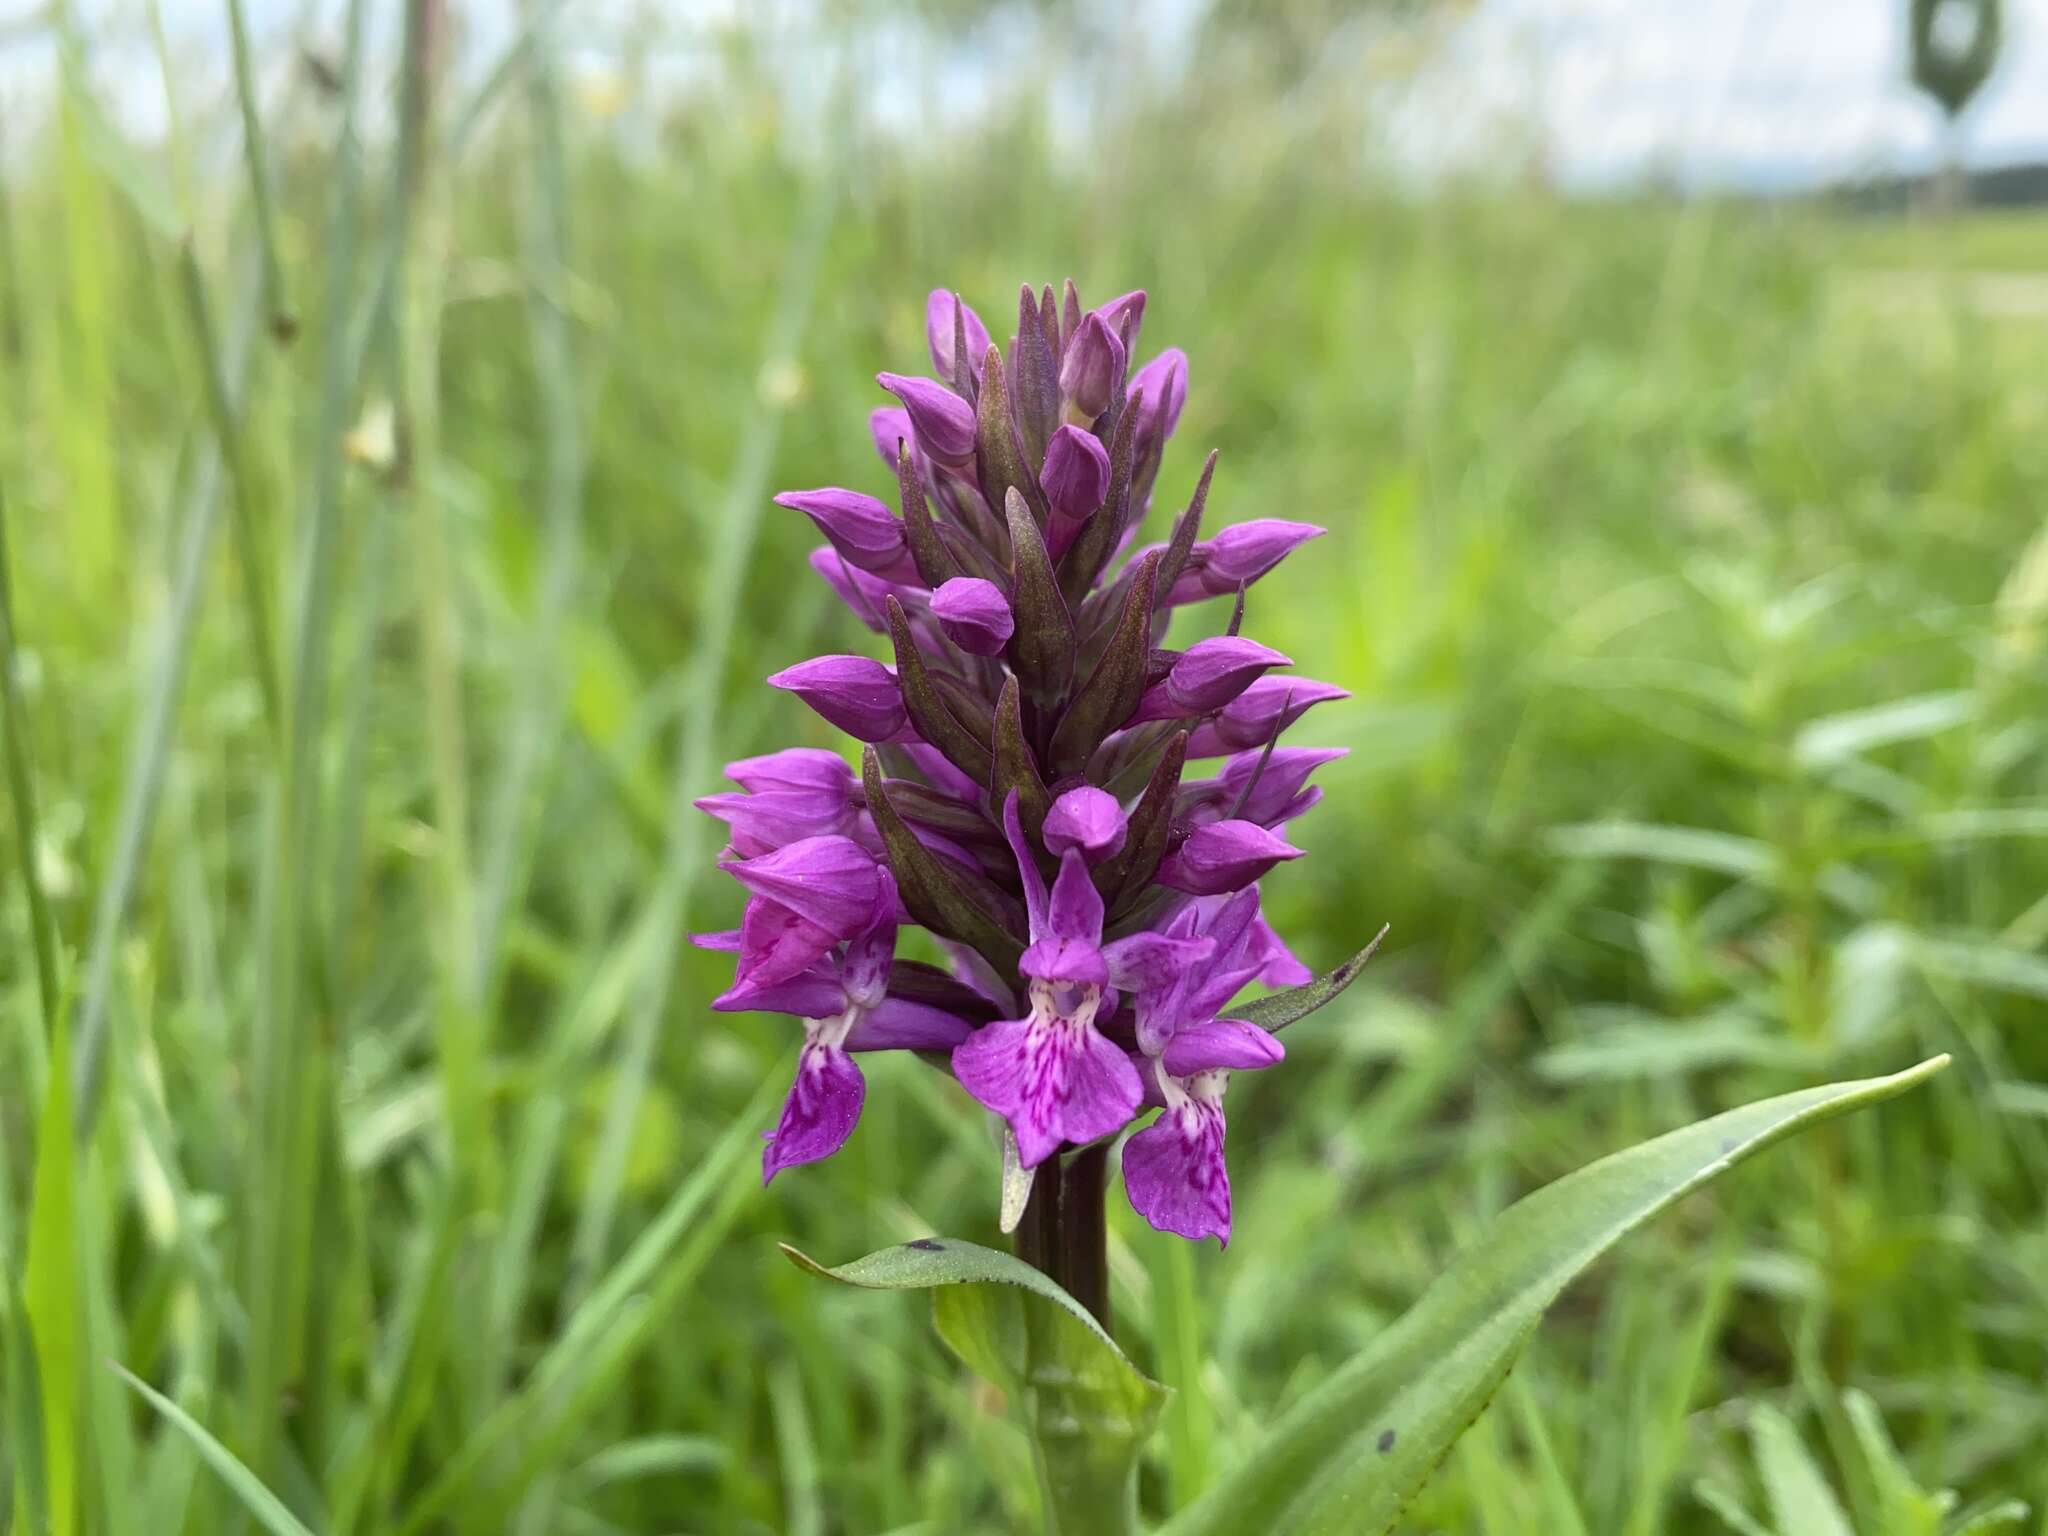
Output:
(1693, 604)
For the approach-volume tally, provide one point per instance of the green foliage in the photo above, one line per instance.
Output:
(1687, 567)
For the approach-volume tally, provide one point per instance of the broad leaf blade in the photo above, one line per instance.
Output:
(1091, 1409)
(1349, 1456)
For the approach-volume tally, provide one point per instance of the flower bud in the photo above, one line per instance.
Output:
(938, 333)
(861, 528)
(974, 615)
(1224, 856)
(855, 693)
(1094, 362)
(1076, 473)
(941, 423)
(1086, 818)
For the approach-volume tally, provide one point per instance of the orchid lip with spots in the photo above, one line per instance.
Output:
(1021, 794)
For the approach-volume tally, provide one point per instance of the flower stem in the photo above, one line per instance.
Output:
(1065, 1230)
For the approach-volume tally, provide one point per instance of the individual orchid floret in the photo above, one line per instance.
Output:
(1239, 556)
(863, 530)
(1094, 366)
(1076, 473)
(1053, 1075)
(1224, 856)
(855, 693)
(1123, 315)
(941, 423)
(1270, 788)
(1164, 384)
(947, 319)
(1259, 714)
(974, 615)
(1174, 1169)
(1207, 676)
(844, 1002)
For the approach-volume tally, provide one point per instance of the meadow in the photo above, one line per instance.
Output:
(359, 1091)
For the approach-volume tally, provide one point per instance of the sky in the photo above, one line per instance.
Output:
(1727, 94)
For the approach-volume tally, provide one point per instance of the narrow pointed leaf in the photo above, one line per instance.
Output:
(1185, 531)
(937, 894)
(1001, 451)
(265, 1507)
(1348, 1457)
(1113, 689)
(1279, 1009)
(1015, 767)
(935, 563)
(1034, 377)
(1041, 650)
(928, 711)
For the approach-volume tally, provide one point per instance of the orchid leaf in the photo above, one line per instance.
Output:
(1348, 1457)
(1089, 1408)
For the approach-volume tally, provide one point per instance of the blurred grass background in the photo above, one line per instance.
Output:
(1687, 566)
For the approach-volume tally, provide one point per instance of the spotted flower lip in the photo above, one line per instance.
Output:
(1024, 794)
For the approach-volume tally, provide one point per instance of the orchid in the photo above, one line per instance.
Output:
(1021, 792)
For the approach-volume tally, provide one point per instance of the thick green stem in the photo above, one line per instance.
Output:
(1087, 1446)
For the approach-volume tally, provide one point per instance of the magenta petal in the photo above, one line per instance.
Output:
(865, 969)
(812, 769)
(1212, 672)
(1074, 913)
(1224, 856)
(898, 1024)
(775, 945)
(1086, 818)
(1144, 962)
(1125, 309)
(856, 693)
(812, 995)
(1054, 1081)
(864, 531)
(725, 940)
(1164, 382)
(1075, 473)
(889, 425)
(1259, 714)
(1027, 868)
(830, 881)
(1221, 1043)
(941, 421)
(974, 615)
(819, 1114)
(1276, 962)
(938, 332)
(1175, 1174)
(1094, 362)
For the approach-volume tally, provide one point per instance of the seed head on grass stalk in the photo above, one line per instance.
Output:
(1023, 793)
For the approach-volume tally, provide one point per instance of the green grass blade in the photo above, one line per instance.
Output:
(267, 1508)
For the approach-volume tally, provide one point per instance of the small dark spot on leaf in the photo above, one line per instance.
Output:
(1728, 1144)
(1386, 1441)
(928, 1244)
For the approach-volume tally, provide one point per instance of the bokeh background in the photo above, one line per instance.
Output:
(1672, 379)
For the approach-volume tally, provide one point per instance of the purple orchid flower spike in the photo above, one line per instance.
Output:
(1053, 1075)
(1022, 797)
